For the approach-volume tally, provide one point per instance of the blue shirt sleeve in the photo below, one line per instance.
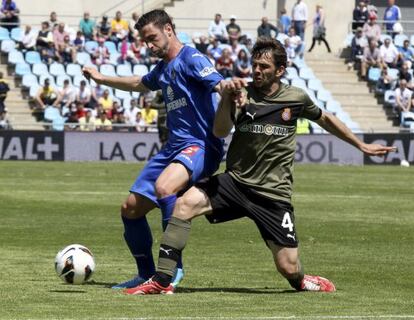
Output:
(150, 79)
(200, 69)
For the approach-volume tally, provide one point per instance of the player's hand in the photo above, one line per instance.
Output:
(92, 73)
(233, 89)
(377, 149)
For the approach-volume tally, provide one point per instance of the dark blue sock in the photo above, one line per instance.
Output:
(139, 240)
(167, 207)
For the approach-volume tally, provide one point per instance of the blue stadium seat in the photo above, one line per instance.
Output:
(110, 46)
(15, 57)
(412, 40)
(121, 94)
(385, 36)
(56, 69)
(61, 78)
(140, 70)
(348, 40)
(8, 45)
(51, 113)
(58, 123)
(83, 58)
(374, 74)
(33, 57)
(135, 94)
(33, 90)
(399, 39)
(184, 37)
(114, 57)
(29, 80)
(16, 34)
(333, 106)
(4, 34)
(77, 80)
(21, 69)
(306, 73)
(389, 98)
(126, 103)
(73, 69)
(124, 70)
(90, 46)
(299, 62)
(43, 77)
(40, 69)
(324, 95)
(282, 37)
(300, 83)
(291, 73)
(315, 84)
(393, 73)
(107, 70)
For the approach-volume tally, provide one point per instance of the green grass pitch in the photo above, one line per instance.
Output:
(355, 225)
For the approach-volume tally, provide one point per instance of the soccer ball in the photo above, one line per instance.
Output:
(74, 264)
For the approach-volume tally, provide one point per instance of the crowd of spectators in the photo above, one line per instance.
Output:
(374, 47)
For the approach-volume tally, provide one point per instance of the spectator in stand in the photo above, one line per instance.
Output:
(106, 101)
(59, 35)
(265, 29)
(371, 29)
(201, 44)
(133, 33)
(235, 49)
(407, 53)
(243, 67)
(10, 15)
(285, 21)
(403, 98)
(371, 58)
(224, 64)
(299, 18)
(140, 125)
(290, 51)
(130, 114)
(103, 28)
(102, 123)
(87, 26)
(392, 15)
(53, 21)
(79, 41)
(28, 41)
(87, 123)
(319, 30)
(158, 104)
(217, 29)
(100, 55)
(358, 45)
(4, 121)
(44, 38)
(48, 54)
(214, 49)
(4, 89)
(136, 53)
(66, 52)
(233, 29)
(296, 42)
(384, 83)
(96, 94)
(119, 28)
(148, 114)
(389, 54)
(46, 96)
(66, 96)
(80, 110)
(83, 95)
(406, 75)
(359, 16)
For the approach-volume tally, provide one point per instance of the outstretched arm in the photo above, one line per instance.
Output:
(333, 125)
(122, 83)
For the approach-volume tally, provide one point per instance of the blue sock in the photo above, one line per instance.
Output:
(139, 240)
(167, 207)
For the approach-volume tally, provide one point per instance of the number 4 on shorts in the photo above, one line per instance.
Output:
(287, 222)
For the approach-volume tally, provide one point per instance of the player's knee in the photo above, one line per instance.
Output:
(163, 189)
(184, 208)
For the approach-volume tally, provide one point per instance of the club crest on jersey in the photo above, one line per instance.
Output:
(286, 114)
(170, 93)
(190, 150)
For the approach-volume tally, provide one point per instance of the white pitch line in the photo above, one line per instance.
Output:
(259, 318)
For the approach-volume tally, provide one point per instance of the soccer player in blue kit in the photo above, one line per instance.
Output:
(189, 83)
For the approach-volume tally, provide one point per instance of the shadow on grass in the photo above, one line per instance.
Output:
(100, 284)
(68, 291)
(236, 290)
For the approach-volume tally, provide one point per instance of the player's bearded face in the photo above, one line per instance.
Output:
(264, 72)
(156, 40)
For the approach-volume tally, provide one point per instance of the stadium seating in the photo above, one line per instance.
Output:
(28, 80)
(124, 70)
(140, 70)
(61, 78)
(4, 34)
(73, 69)
(32, 57)
(16, 34)
(22, 69)
(40, 69)
(8, 45)
(108, 70)
(399, 39)
(57, 69)
(15, 57)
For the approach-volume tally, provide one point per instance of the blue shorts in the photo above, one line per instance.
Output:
(200, 163)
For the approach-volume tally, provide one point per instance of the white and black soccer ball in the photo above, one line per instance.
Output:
(74, 264)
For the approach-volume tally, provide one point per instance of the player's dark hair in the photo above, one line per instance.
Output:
(158, 18)
(266, 45)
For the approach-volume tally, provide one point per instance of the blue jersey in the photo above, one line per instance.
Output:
(391, 16)
(187, 83)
